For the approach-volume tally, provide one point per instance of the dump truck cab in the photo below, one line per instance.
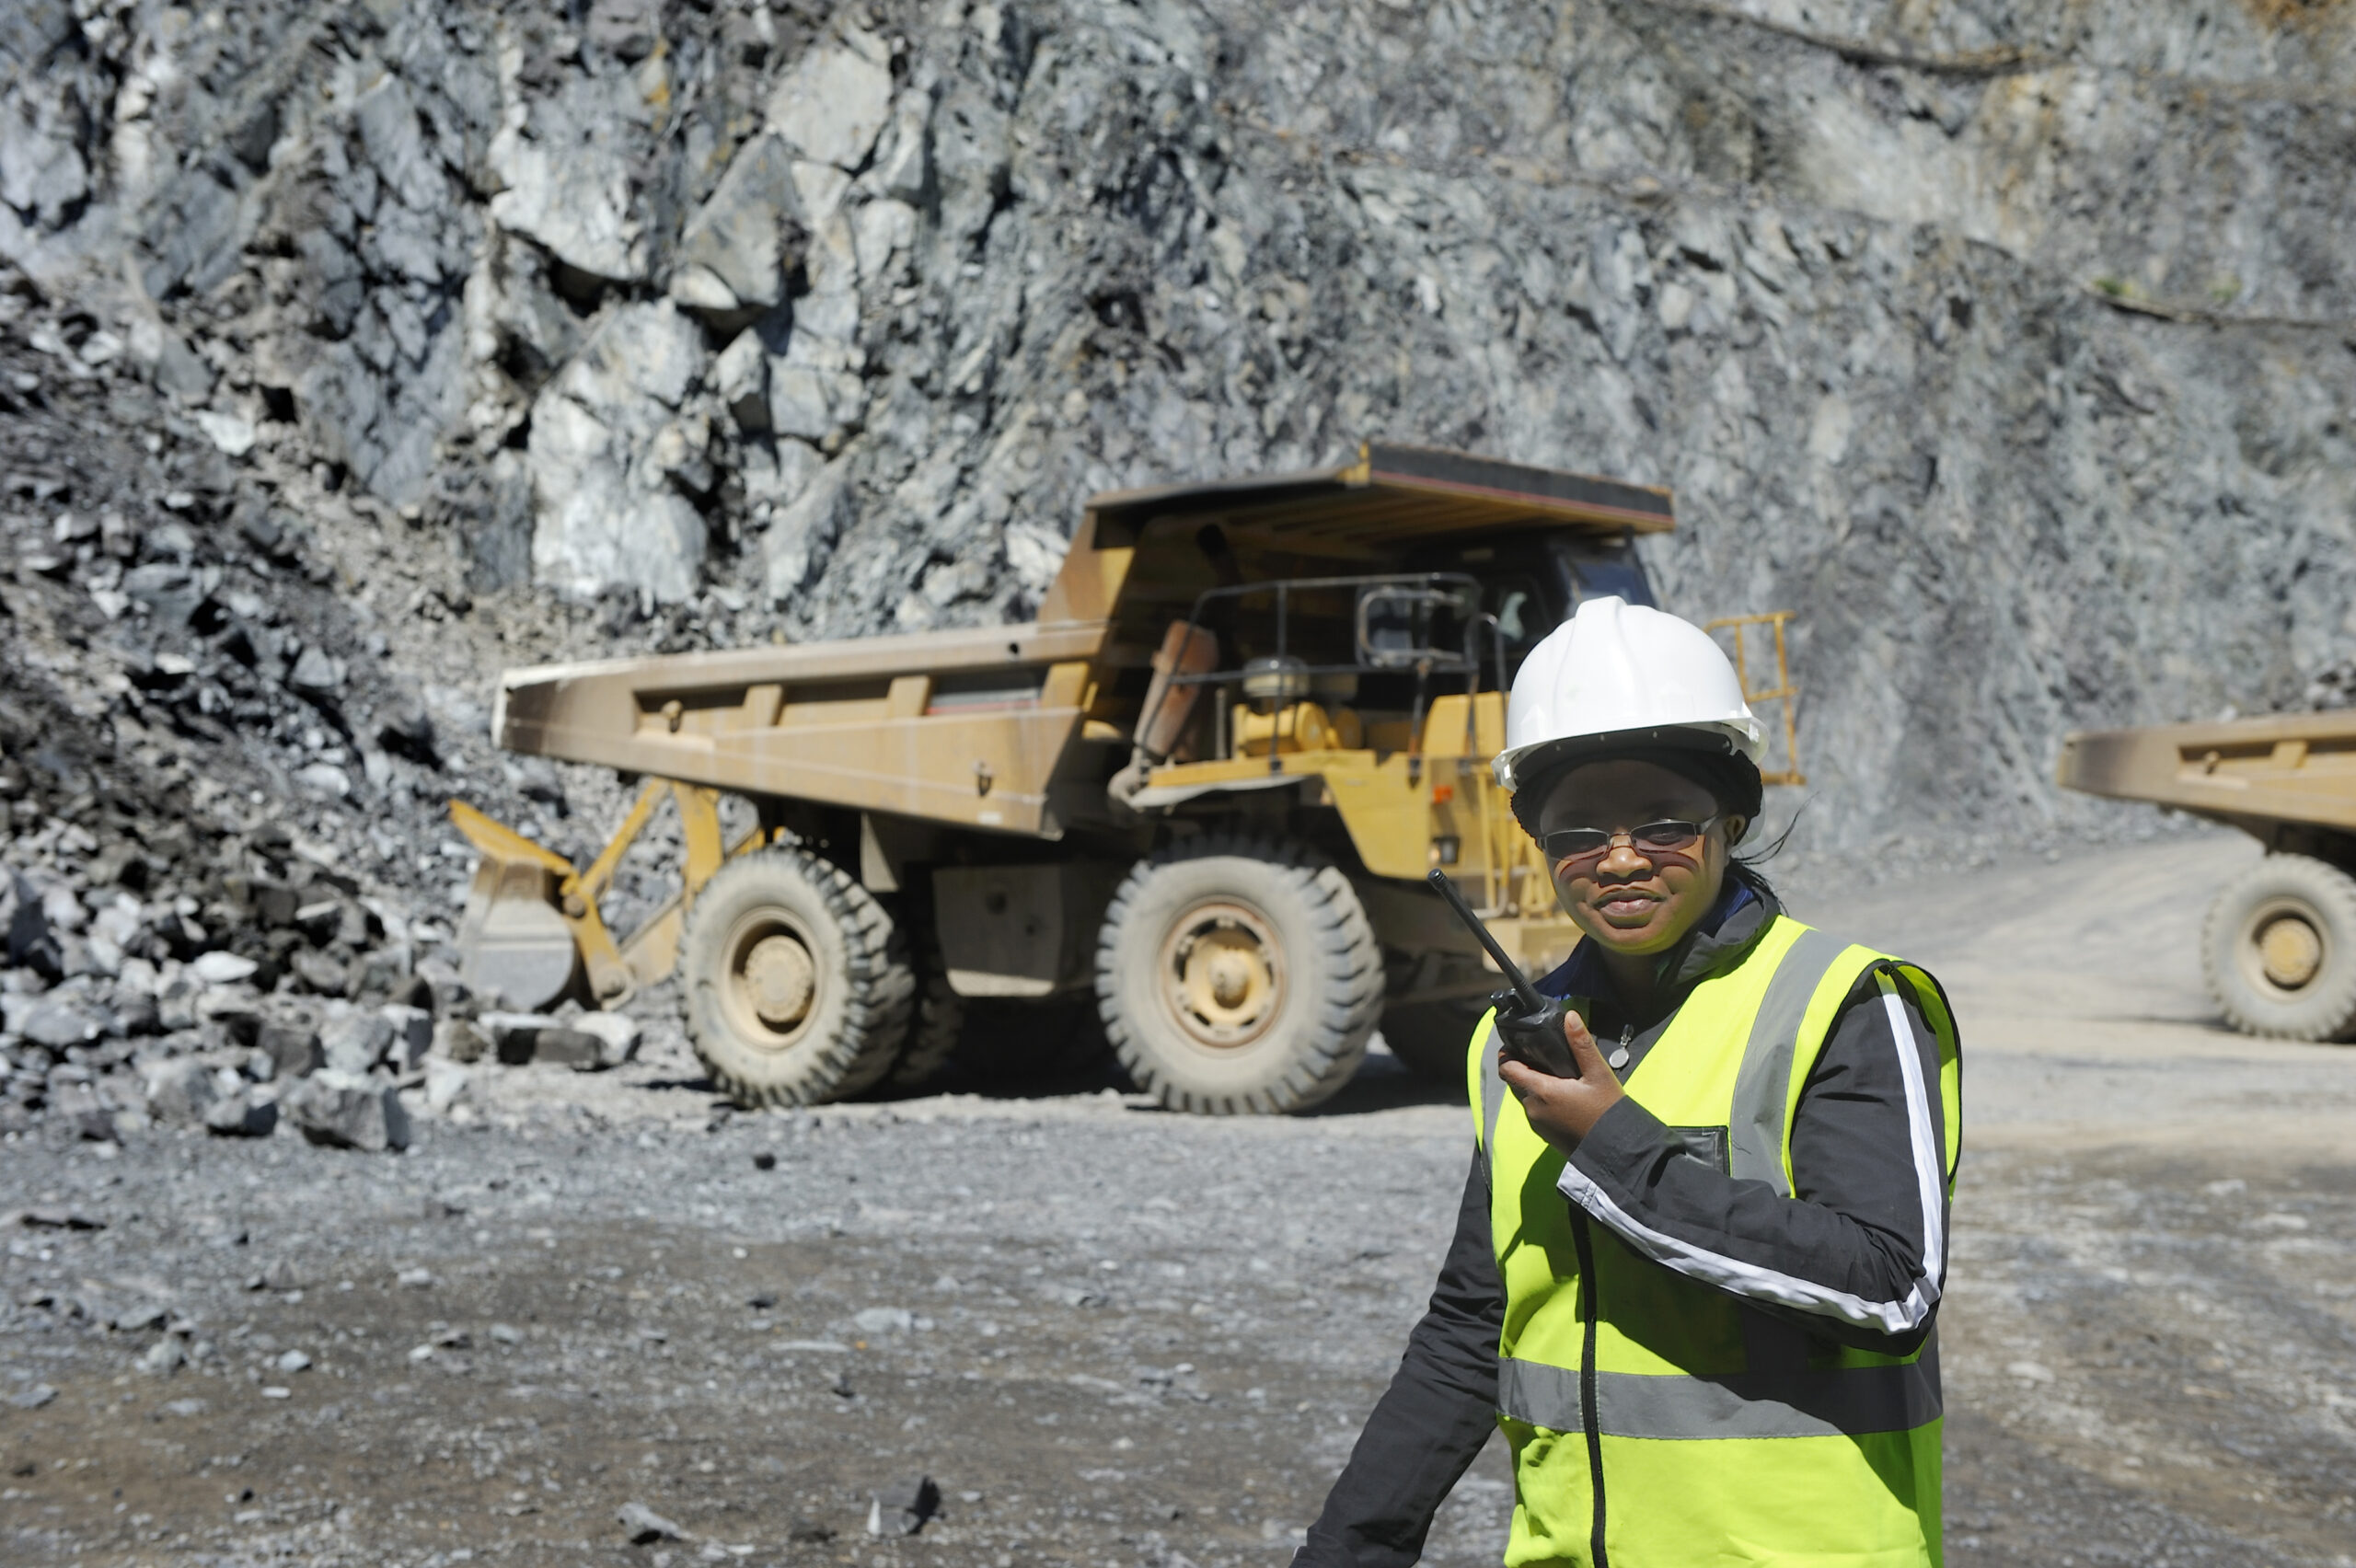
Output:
(1190, 804)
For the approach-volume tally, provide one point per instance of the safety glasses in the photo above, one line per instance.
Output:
(1575, 846)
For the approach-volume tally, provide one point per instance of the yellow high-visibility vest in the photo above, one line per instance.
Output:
(1657, 1420)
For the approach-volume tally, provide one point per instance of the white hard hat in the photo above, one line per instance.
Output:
(1617, 674)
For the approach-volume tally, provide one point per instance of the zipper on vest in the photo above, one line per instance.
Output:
(1588, 1423)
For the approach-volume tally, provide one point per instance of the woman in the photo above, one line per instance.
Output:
(1694, 1284)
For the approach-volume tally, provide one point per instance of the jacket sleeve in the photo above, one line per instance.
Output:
(1858, 1252)
(1440, 1409)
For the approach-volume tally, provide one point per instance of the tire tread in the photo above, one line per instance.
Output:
(881, 985)
(1347, 951)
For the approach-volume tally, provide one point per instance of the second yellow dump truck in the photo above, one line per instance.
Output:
(1198, 795)
(2279, 948)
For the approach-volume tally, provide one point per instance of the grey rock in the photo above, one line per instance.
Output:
(803, 535)
(355, 1044)
(461, 1040)
(172, 593)
(740, 377)
(516, 1037)
(445, 1082)
(294, 1051)
(320, 973)
(43, 172)
(567, 177)
(341, 1113)
(574, 1048)
(222, 968)
(748, 235)
(316, 671)
(194, 236)
(64, 908)
(183, 371)
(644, 1525)
(181, 1093)
(32, 1396)
(617, 1035)
(605, 441)
(324, 781)
(902, 1507)
(412, 1035)
(59, 1024)
(24, 925)
(242, 1116)
(835, 98)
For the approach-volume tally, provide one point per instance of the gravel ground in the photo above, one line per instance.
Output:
(1110, 1335)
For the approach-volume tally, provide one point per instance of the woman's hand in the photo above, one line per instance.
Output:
(1564, 1110)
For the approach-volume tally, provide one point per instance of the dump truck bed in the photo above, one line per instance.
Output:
(2251, 773)
(976, 728)
(960, 726)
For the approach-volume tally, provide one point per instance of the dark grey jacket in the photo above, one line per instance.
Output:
(1853, 1241)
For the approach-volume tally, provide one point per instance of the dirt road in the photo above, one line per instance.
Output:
(1113, 1336)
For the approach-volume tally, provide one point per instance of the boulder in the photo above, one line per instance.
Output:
(341, 1113)
(444, 1082)
(356, 1042)
(804, 533)
(617, 1035)
(240, 1115)
(412, 1035)
(569, 1047)
(24, 926)
(294, 1051)
(460, 1040)
(832, 104)
(740, 377)
(746, 239)
(222, 968)
(180, 1093)
(59, 1024)
(606, 443)
(514, 1036)
(566, 169)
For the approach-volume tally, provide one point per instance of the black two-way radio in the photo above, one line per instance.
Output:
(1530, 1027)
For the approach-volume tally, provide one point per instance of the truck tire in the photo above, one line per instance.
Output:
(1236, 975)
(937, 1025)
(1430, 1039)
(2280, 949)
(797, 981)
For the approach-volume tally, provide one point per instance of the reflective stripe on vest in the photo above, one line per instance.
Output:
(1786, 1403)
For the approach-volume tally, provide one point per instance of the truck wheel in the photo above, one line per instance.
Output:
(939, 1025)
(798, 985)
(1430, 1039)
(1236, 975)
(2280, 949)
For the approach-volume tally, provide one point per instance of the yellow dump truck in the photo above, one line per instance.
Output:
(2279, 948)
(1198, 794)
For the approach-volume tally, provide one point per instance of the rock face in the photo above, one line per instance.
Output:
(2006, 345)
(617, 451)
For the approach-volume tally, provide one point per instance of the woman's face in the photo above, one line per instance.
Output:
(1631, 899)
